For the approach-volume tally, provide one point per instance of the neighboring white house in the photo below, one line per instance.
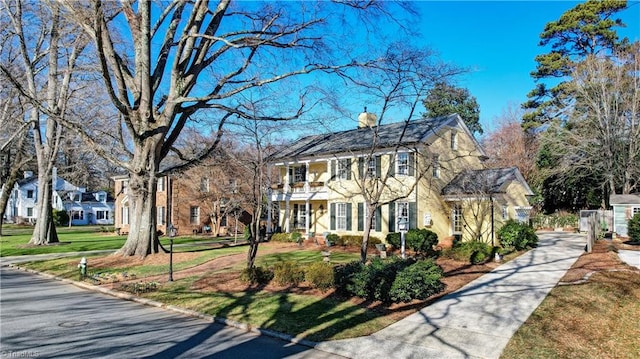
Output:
(83, 207)
(624, 206)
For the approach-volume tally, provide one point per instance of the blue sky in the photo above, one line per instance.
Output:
(499, 40)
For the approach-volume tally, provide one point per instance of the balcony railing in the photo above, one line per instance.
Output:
(298, 187)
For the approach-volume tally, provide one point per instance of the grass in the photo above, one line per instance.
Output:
(304, 316)
(15, 239)
(598, 319)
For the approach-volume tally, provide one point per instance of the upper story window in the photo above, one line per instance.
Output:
(344, 169)
(371, 168)
(436, 166)
(298, 174)
(454, 140)
(204, 184)
(505, 212)
(402, 163)
(160, 184)
(30, 193)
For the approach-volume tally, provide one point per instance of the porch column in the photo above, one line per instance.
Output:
(286, 217)
(307, 217)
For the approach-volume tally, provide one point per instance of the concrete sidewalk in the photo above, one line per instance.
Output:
(632, 258)
(478, 320)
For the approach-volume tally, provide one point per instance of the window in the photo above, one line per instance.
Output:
(456, 219)
(454, 140)
(204, 184)
(402, 163)
(160, 213)
(372, 167)
(79, 215)
(505, 212)
(373, 221)
(102, 197)
(102, 215)
(160, 187)
(194, 215)
(300, 173)
(402, 213)
(522, 214)
(29, 211)
(344, 170)
(635, 211)
(300, 215)
(223, 221)
(30, 193)
(341, 216)
(436, 166)
(125, 215)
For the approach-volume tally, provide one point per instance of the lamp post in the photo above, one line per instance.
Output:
(402, 227)
(172, 233)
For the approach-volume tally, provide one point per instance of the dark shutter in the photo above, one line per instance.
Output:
(392, 166)
(412, 165)
(392, 217)
(361, 167)
(413, 215)
(379, 219)
(295, 216)
(348, 168)
(332, 216)
(378, 166)
(349, 215)
(332, 175)
(290, 175)
(360, 216)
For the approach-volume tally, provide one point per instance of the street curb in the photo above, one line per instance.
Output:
(186, 312)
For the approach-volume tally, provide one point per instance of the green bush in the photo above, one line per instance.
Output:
(288, 273)
(60, 218)
(375, 280)
(343, 275)
(422, 241)
(633, 228)
(516, 235)
(320, 275)
(394, 239)
(296, 237)
(281, 237)
(333, 238)
(355, 241)
(256, 275)
(473, 252)
(417, 281)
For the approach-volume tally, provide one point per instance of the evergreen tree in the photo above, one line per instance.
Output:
(445, 99)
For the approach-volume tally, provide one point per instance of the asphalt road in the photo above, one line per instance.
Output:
(45, 318)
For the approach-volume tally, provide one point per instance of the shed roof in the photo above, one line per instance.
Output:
(624, 199)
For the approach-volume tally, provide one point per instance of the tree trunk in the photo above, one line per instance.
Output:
(254, 239)
(367, 230)
(142, 239)
(45, 230)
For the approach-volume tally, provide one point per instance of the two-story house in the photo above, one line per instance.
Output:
(83, 207)
(201, 200)
(413, 172)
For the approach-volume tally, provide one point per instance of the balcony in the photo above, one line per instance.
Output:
(299, 191)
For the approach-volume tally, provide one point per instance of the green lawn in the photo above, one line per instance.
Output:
(75, 239)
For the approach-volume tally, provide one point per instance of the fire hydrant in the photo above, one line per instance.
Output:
(83, 268)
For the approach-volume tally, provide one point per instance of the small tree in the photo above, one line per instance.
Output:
(633, 228)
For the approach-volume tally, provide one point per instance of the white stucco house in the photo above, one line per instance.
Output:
(83, 207)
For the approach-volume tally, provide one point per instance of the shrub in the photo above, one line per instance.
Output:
(417, 281)
(333, 238)
(320, 275)
(60, 218)
(281, 237)
(633, 228)
(422, 241)
(296, 237)
(356, 241)
(394, 239)
(256, 275)
(474, 252)
(343, 275)
(516, 235)
(374, 281)
(288, 273)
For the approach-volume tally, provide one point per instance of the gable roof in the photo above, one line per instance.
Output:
(361, 139)
(624, 199)
(485, 181)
